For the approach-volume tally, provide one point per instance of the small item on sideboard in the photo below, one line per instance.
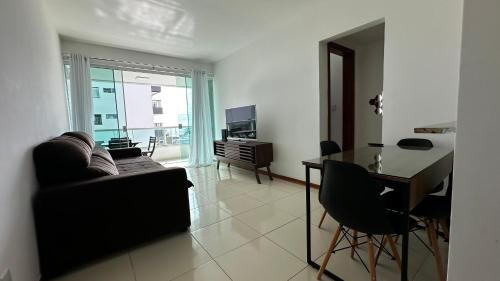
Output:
(224, 134)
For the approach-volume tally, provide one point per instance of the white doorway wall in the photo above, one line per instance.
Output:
(368, 45)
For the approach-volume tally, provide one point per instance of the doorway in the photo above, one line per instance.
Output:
(355, 64)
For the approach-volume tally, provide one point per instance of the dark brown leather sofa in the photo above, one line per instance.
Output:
(92, 203)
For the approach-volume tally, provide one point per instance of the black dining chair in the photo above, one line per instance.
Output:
(424, 144)
(151, 147)
(393, 199)
(351, 197)
(115, 143)
(329, 147)
(433, 211)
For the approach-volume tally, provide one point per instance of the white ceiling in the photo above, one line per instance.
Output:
(205, 30)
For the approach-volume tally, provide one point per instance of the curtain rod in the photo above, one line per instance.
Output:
(152, 66)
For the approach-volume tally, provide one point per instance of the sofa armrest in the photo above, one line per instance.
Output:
(79, 222)
(118, 153)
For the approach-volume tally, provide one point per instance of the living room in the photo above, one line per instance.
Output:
(146, 194)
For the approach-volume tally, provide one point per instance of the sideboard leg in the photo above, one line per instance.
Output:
(269, 173)
(257, 175)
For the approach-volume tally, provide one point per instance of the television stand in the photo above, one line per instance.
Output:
(250, 154)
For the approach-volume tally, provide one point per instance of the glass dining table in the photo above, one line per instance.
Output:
(414, 171)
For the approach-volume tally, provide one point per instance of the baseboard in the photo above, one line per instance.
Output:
(278, 176)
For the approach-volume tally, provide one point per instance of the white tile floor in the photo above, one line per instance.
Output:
(245, 231)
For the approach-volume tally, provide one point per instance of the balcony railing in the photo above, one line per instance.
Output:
(157, 110)
(172, 142)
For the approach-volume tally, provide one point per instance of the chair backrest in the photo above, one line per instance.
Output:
(151, 145)
(352, 199)
(329, 147)
(118, 143)
(413, 142)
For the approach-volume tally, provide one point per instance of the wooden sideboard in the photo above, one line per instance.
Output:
(251, 154)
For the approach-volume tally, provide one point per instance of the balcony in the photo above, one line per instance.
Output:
(172, 143)
(157, 110)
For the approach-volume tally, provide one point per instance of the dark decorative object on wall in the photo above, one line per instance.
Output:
(377, 101)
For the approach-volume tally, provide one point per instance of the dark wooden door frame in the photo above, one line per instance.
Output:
(347, 94)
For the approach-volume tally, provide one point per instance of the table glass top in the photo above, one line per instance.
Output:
(388, 160)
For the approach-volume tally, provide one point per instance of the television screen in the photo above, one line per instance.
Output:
(241, 122)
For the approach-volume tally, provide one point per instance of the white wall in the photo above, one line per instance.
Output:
(97, 51)
(336, 99)
(32, 109)
(280, 73)
(369, 70)
(475, 228)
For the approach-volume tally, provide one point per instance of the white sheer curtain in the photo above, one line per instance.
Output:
(81, 94)
(202, 151)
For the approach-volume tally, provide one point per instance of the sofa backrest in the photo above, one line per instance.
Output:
(61, 159)
(82, 136)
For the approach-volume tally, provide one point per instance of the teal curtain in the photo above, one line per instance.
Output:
(202, 151)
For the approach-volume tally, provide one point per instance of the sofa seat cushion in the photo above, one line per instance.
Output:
(130, 160)
(137, 167)
(100, 167)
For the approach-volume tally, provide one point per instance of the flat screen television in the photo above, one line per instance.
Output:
(241, 123)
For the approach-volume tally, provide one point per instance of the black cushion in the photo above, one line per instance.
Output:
(61, 159)
(82, 136)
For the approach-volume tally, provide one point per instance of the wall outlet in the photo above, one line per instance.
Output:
(5, 276)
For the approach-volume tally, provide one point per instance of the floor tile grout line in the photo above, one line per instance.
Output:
(307, 265)
(269, 230)
(299, 259)
(211, 257)
(284, 247)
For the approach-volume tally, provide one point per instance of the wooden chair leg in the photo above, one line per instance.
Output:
(329, 253)
(444, 226)
(322, 219)
(431, 232)
(394, 250)
(371, 253)
(354, 242)
(382, 245)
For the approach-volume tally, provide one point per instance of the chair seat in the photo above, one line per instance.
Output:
(433, 206)
(397, 220)
(393, 199)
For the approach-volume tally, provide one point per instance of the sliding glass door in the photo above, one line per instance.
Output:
(135, 106)
(109, 105)
(159, 105)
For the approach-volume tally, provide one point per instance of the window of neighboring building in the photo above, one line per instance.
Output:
(97, 119)
(157, 103)
(95, 92)
(158, 125)
(108, 90)
(111, 116)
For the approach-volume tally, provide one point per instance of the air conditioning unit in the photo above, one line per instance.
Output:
(155, 89)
